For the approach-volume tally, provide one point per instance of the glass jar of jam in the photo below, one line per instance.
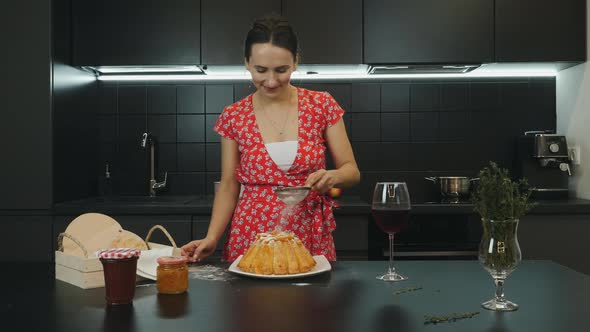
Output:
(172, 275)
(120, 266)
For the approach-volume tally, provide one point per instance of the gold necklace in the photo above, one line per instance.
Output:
(275, 124)
(280, 129)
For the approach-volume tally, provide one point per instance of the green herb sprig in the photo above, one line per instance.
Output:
(407, 290)
(448, 318)
(500, 202)
(498, 197)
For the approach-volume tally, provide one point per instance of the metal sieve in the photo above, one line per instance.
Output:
(292, 195)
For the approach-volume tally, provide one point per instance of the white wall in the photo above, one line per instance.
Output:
(573, 115)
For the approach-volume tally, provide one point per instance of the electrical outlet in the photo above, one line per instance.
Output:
(574, 154)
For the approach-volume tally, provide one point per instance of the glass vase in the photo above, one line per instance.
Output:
(499, 254)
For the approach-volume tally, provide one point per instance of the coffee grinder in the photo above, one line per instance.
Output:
(542, 158)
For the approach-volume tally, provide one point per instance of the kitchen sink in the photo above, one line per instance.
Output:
(145, 200)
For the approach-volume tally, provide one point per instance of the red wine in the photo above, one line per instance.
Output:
(391, 221)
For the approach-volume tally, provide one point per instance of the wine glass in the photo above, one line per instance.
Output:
(391, 209)
(499, 254)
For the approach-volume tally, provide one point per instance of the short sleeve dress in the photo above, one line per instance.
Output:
(259, 209)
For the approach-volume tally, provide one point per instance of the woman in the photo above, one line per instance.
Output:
(277, 136)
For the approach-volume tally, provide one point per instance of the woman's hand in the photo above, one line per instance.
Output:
(198, 250)
(321, 180)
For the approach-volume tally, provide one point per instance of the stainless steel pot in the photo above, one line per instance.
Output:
(453, 186)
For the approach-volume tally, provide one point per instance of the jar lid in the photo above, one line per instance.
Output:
(118, 253)
(172, 260)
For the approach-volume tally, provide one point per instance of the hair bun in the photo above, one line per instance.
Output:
(273, 29)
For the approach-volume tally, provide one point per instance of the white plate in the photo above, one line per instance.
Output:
(323, 265)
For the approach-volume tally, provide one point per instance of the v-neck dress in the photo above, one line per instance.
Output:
(259, 209)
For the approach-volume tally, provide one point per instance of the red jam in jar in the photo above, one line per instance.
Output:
(120, 267)
(172, 275)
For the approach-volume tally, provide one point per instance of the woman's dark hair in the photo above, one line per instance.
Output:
(272, 29)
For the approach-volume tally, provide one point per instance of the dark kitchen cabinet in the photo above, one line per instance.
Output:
(560, 238)
(200, 228)
(351, 237)
(26, 165)
(179, 227)
(136, 32)
(428, 31)
(540, 30)
(329, 31)
(27, 238)
(225, 25)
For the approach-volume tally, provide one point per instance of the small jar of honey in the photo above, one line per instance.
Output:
(172, 275)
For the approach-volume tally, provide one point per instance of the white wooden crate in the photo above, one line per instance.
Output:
(87, 272)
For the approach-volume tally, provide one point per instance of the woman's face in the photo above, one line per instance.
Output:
(271, 68)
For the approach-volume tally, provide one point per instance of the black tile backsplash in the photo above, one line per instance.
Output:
(217, 97)
(453, 126)
(395, 97)
(131, 127)
(340, 92)
(107, 128)
(186, 183)
(161, 99)
(213, 157)
(423, 126)
(167, 159)
(191, 157)
(242, 90)
(511, 95)
(484, 96)
(395, 127)
(400, 130)
(454, 97)
(190, 99)
(366, 97)
(132, 99)
(210, 134)
(365, 127)
(424, 97)
(163, 128)
(107, 100)
(381, 156)
(131, 169)
(191, 128)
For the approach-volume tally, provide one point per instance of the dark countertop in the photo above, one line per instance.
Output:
(348, 298)
(201, 205)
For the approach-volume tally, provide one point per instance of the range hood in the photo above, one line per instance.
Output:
(421, 69)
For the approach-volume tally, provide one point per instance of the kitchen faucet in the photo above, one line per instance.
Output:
(154, 186)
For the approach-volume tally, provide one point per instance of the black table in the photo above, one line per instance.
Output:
(349, 298)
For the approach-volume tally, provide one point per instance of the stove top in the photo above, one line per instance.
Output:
(453, 202)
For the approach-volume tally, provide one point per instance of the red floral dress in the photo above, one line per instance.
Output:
(259, 209)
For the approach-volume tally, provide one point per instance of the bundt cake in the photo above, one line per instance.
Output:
(277, 253)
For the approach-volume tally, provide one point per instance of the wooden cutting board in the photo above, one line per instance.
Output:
(127, 239)
(94, 230)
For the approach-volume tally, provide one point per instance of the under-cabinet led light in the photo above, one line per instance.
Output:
(171, 77)
(125, 70)
(324, 73)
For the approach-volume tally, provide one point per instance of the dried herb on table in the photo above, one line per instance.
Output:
(407, 290)
(448, 318)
